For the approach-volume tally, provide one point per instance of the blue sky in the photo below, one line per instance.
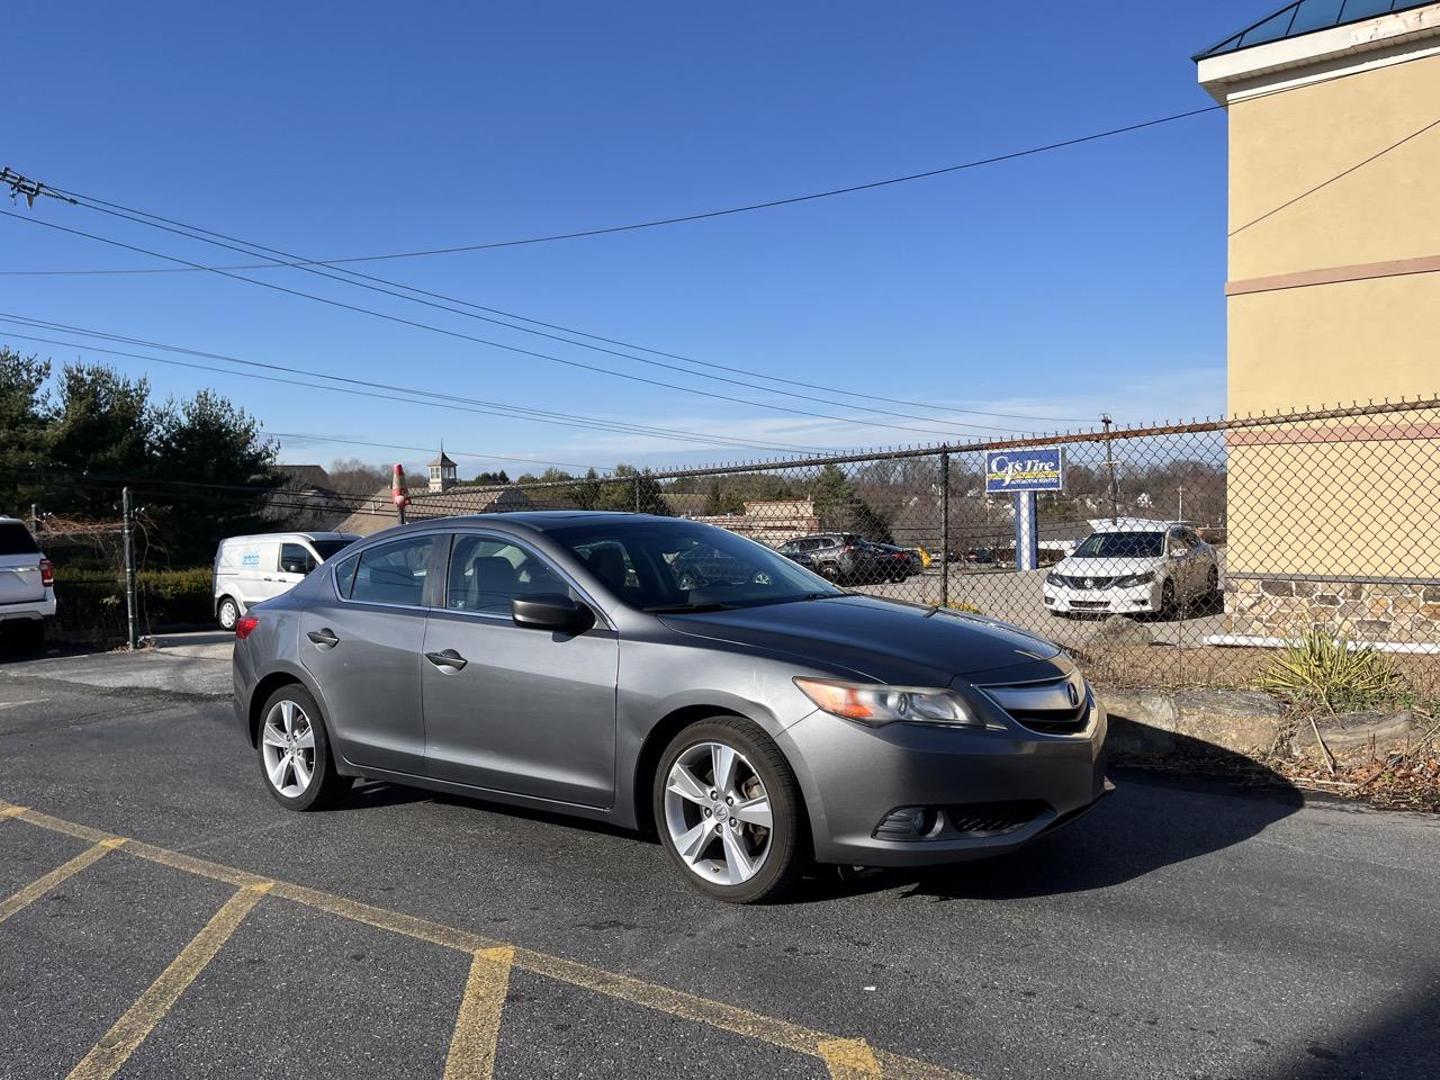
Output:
(1085, 280)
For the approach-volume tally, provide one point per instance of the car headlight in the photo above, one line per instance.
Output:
(1135, 579)
(878, 705)
(1052, 578)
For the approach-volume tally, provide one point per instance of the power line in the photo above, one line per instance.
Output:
(771, 204)
(401, 320)
(291, 260)
(1338, 176)
(446, 401)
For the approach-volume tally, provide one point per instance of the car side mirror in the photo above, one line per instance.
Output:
(551, 611)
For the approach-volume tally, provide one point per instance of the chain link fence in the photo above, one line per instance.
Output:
(1174, 555)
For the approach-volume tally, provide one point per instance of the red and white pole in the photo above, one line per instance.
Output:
(397, 492)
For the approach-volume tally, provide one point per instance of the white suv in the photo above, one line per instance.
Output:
(27, 582)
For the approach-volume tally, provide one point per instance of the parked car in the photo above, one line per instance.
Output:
(249, 569)
(1134, 567)
(897, 563)
(557, 660)
(980, 555)
(27, 584)
(844, 558)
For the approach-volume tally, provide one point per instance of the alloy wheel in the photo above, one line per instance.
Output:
(717, 813)
(288, 748)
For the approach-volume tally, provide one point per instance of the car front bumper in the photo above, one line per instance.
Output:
(854, 776)
(1115, 601)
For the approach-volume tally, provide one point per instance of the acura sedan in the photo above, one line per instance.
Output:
(753, 715)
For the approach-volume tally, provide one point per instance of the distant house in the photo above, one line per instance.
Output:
(378, 511)
(770, 521)
(305, 499)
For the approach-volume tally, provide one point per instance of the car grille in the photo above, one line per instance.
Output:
(994, 817)
(1086, 582)
(1050, 706)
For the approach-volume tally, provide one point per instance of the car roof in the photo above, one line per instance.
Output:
(548, 520)
(1137, 525)
(321, 535)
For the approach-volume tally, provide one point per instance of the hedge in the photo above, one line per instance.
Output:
(91, 604)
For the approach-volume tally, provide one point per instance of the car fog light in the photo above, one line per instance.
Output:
(907, 823)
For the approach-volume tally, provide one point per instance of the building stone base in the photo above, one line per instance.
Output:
(1361, 611)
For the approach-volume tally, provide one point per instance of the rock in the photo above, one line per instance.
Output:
(1246, 721)
(1355, 733)
(1118, 630)
(1164, 722)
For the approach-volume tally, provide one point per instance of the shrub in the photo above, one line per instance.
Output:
(1322, 670)
(91, 604)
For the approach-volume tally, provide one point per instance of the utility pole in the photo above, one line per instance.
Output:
(34, 519)
(1180, 505)
(1110, 466)
(944, 528)
(127, 513)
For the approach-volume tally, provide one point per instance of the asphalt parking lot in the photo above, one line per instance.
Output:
(160, 916)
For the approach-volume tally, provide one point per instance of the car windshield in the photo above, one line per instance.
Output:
(679, 566)
(1122, 545)
(327, 549)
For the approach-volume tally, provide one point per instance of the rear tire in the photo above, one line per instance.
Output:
(228, 613)
(738, 860)
(293, 748)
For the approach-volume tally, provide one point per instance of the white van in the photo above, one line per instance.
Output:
(249, 569)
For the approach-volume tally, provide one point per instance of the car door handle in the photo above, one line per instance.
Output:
(325, 638)
(448, 661)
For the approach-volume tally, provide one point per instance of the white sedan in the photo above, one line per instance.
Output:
(1134, 567)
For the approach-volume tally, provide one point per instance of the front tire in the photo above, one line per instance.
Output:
(729, 812)
(296, 762)
(228, 613)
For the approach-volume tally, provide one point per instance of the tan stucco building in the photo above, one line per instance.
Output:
(1333, 297)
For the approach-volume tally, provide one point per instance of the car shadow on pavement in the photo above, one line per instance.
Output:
(1155, 818)
(1403, 1044)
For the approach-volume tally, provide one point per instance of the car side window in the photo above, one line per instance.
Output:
(393, 573)
(345, 576)
(295, 559)
(486, 574)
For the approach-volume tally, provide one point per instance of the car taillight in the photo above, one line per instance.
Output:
(245, 626)
(47, 573)
(847, 547)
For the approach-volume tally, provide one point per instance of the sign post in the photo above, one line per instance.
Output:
(1020, 474)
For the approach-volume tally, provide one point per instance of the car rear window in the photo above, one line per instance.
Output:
(15, 539)
(328, 549)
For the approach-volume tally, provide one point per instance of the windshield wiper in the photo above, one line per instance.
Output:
(686, 609)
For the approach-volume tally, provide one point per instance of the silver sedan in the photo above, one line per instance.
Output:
(670, 676)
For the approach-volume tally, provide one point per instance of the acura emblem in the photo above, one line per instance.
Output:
(1074, 695)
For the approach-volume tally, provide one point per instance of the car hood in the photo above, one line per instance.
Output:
(1103, 568)
(886, 640)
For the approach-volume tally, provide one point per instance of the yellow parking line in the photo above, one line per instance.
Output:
(477, 1027)
(9, 810)
(397, 923)
(849, 1059)
(40, 886)
(838, 1054)
(112, 1051)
